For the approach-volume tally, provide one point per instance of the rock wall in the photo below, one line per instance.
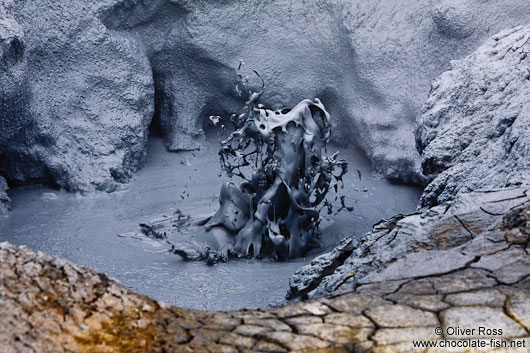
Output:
(15, 120)
(474, 131)
(91, 100)
(90, 76)
(190, 84)
(435, 241)
(5, 201)
(371, 63)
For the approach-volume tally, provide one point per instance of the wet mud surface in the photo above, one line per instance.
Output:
(84, 229)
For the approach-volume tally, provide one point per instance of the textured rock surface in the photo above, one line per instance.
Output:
(189, 84)
(13, 75)
(397, 48)
(50, 305)
(98, 71)
(91, 100)
(5, 201)
(474, 131)
(14, 89)
(371, 63)
(423, 244)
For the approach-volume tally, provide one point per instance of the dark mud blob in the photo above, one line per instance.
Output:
(284, 177)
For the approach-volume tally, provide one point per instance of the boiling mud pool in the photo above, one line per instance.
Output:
(84, 229)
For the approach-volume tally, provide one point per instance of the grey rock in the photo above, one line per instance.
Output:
(91, 100)
(386, 287)
(422, 302)
(413, 265)
(496, 261)
(514, 272)
(49, 304)
(98, 71)
(435, 242)
(14, 90)
(389, 336)
(401, 316)
(489, 319)
(490, 297)
(518, 307)
(15, 119)
(473, 132)
(358, 321)
(356, 304)
(463, 280)
(455, 19)
(5, 201)
(379, 61)
(372, 67)
(422, 286)
(190, 83)
(13, 75)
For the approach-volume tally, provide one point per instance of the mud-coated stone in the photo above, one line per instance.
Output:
(98, 71)
(5, 201)
(518, 307)
(473, 130)
(513, 272)
(401, 316)
(482, 297)
(435, 241)
(464, 280)
(15, 117)
(89, 104)
(356, 321)
(424, 302)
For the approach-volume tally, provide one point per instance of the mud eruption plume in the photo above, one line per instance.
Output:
(280, 158)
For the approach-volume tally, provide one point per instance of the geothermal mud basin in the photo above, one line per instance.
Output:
(84, 229)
